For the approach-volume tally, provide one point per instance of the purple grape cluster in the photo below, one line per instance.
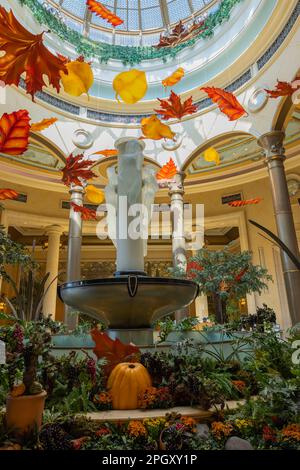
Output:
(18, 336)
(91, 368)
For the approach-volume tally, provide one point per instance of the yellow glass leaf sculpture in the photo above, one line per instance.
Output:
(174, 78)
(79, 79)
(154, 129)
(94, 195)
(211, 155)
(131, 86)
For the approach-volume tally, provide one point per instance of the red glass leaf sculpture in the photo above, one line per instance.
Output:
(245, 203)
(114, 351)
(104, 13)
(14, 132)
(227, 102)
(284, 89)
(8, 194)
(107, 153)
(41, 125)
(167, 171)
(25, 52)
(77, 170)
(86, 213)
(173, 108)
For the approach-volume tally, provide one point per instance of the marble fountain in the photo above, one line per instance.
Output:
(131, 301)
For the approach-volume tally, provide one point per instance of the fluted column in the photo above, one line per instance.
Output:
(49, 305)
(176, 193)
(272, 143)
(74, 248)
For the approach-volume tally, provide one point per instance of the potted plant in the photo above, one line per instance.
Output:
(26, 340)
(25, 401)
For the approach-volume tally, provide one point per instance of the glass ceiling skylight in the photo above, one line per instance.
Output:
(148, 16)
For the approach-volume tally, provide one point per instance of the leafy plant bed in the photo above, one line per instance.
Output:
(185, 375)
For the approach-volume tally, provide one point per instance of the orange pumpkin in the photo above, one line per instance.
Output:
(126, 381)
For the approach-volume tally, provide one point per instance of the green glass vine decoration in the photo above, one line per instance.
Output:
(128, 55)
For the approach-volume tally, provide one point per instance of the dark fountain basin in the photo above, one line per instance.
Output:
(129, 304)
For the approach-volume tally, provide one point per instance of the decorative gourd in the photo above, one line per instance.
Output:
(126, 382)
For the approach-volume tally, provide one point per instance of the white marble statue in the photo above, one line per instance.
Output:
(136, 182)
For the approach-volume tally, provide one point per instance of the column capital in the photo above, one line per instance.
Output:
(272, 145)
(177, 185)
(54, 229)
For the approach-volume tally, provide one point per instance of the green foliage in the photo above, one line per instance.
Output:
(167, 325)
(29, 296)
(12, 253)
(226, 274)
(128, 55)
(71, 381)
(25, 343)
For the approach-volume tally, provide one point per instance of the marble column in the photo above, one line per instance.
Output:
(272, 143)
(49, 305)
(74, 249)
(176, 193)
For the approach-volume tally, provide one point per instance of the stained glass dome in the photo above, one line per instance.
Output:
(143, 19)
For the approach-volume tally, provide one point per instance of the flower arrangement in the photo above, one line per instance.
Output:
(136, 429)
(189, 423)
(154, 397)
(240, 386)
(154, 426)
(291, 432)
(221, 430)
(103, 401)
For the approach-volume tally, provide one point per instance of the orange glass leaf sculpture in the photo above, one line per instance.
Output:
(174, 78)
(167, 171)
(227, 102)
(104, 13)
(173, 108)
(114, 351)
(25, 52)
(86, 213)
(8, 194)
(107, 153)
(154, 129)
(248, 202)
(14, 132)
(77, 170)
(284, 89)
(44, 124)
